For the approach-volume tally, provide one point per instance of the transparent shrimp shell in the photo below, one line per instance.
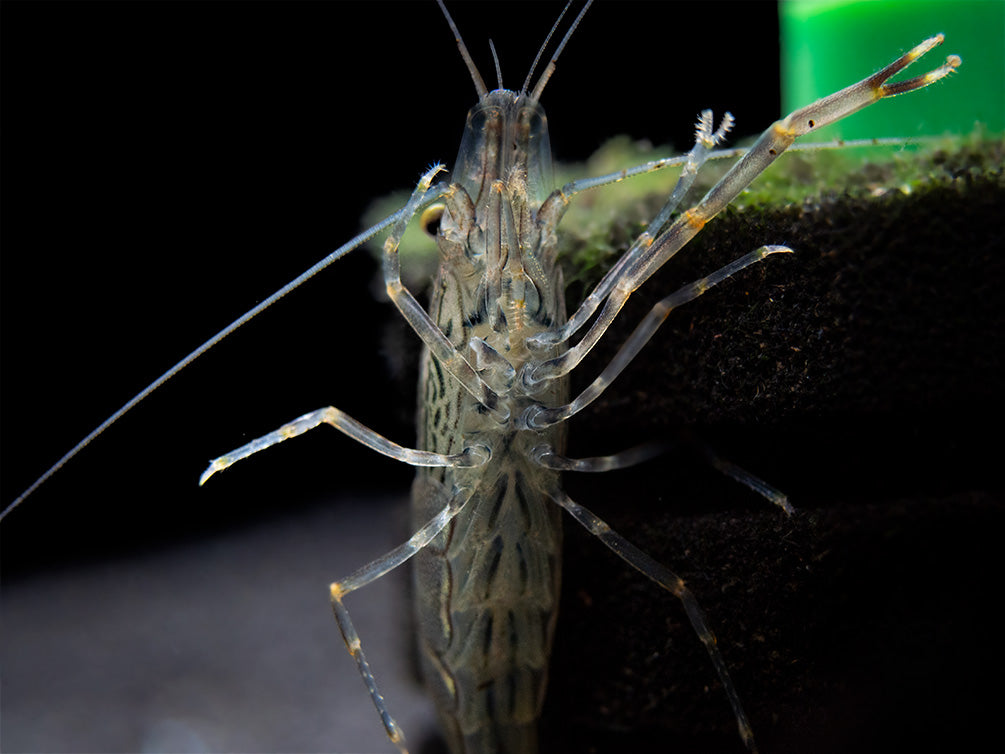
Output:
(746, 114)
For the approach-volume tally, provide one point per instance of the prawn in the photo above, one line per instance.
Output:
(497, 372)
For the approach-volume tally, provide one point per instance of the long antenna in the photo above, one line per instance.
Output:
(543, 47)
(535, 96)
(495, 59)
(472, 69)
(243, 319)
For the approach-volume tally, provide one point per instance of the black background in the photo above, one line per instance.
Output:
(167, 166)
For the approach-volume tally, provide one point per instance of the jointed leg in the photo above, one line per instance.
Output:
(546, 456)
(372, 572)
(440, 348)
(775, 140)
(670, 581)
(538, 417)
(471, 456)
(748, 480)
(704, 140)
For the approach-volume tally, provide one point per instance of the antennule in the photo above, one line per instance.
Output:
(472, 69)
(543, 47)
(535, 96)
(495, 59)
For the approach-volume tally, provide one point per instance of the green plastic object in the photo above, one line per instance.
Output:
(827, 45)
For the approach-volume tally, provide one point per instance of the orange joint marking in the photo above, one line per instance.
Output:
(695, 219)
(782, 132)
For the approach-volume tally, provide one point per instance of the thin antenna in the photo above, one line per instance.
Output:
(244, 318)
(539, 88)
(543, 47)
(475, 76)
(495, 59)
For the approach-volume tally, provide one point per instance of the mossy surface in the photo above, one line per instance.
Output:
(602, 222)
(862, 376)
(890, 300)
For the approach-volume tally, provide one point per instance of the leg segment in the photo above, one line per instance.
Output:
(670, 581)
(744, 477)
(221, 335)
(775, 140)
(470, 456)
(704, 140)
(373, 571)
(538, 417)
(546, 456)
(437, 343)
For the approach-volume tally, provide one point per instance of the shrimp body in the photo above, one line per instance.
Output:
(494, 397)
(487, 588)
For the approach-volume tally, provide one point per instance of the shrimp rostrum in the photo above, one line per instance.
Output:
(487, 499)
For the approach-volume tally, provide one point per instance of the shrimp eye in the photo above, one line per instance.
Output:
(430, 219)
